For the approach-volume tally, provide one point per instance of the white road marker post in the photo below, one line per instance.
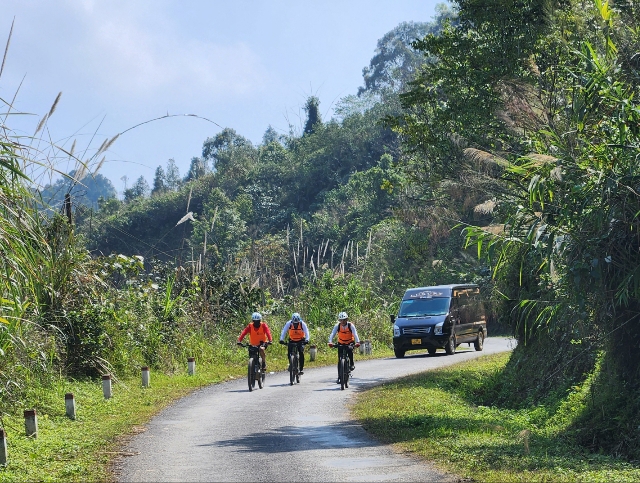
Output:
(106, 385)
(70, 405)
(145, 376)
(191, 366)
(30, 423)
(313, 351)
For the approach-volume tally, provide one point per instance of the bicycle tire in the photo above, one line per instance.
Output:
(260, 374)
(292, 361)
(343, 373)
(347, 373)
(250, 374)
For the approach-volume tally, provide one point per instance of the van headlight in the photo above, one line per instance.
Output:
(437, 330)
(396, 331)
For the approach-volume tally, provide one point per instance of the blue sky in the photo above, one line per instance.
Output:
(242, 64)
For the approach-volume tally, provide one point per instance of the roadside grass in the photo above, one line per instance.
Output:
(84, 449)
(434, 416)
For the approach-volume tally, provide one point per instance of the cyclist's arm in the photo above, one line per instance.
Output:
(243, 333)
(284, 330)
(267, 331)
(355, 334)
(333, 333)
(306, 330)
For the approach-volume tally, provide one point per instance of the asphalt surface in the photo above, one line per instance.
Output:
(282, 433)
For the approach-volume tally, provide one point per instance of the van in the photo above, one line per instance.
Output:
(439, 317)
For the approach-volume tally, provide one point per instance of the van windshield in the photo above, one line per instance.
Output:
(424, 307)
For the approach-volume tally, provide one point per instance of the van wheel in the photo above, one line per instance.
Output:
(399, 353)
(432, 351)
(450, 348)
(479, 342)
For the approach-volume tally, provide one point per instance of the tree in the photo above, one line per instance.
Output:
(270, 136)
(313, 115)
(396, 61)
(86, 191)
(197, 169)
(159, 181)
(140, 189)
(173, 179)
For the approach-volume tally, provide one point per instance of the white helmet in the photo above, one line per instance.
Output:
(296, 317)
(256, 316)
(342, 316)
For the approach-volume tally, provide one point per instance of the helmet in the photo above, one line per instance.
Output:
(342, 316)
(256, 316)
(295, 317)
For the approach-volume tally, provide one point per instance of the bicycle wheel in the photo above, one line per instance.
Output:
(297, 366)
(292, 371)
(343, 373)
(259, 375)
(347, 373)
(251, 374)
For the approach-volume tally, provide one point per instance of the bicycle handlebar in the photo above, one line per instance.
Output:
(244, 344)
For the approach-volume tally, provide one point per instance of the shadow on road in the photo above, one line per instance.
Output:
(291, 438)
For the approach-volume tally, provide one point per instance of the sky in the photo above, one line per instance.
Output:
(240, 64)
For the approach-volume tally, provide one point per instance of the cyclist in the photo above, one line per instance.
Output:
(347, 334)
(298, 332)
(259, 333)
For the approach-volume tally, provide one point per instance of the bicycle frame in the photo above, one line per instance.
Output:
(294, 360)
(344, 370)
(254, 366)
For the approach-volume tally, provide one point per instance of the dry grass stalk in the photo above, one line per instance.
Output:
(6, 49)
(189, 199)
(215, 215)
(55, 104)
(40, 124)
(325, 249)
(111, 141)
(73, 148)
(100, 164)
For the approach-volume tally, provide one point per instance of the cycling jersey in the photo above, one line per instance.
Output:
(256, 336)
(346, 334)
(295, 335)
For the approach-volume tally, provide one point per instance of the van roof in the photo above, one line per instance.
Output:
(435, 290)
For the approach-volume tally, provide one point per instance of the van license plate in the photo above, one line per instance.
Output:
(416, 341)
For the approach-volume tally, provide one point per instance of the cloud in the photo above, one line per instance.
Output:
(132, 51)
(137, 62)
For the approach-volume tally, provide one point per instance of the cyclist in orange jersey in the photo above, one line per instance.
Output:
(298, 332)
(259, 333)
(347, 334)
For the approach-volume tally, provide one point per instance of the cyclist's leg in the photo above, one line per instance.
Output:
(264, 358)
(350, 352)
(301, 353)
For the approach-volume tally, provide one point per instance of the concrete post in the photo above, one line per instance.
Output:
(3, 448)
(313, 351)
(106, 386)
(70, 405)
(30, 423)
(191, 364)
(365, 347)
(145, 376)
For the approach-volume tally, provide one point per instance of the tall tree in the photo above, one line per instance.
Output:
(312, 108)
(159, 181)
(173, 179)
(140, 189)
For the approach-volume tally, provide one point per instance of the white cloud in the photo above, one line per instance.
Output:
(134, 61)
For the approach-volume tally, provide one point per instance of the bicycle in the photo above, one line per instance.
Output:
(294, 361)
(344, 367)
(254, 367)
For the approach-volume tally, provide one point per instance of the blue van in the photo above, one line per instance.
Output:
(439, 317)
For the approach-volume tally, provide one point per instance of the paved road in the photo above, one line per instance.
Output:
(282, 432)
